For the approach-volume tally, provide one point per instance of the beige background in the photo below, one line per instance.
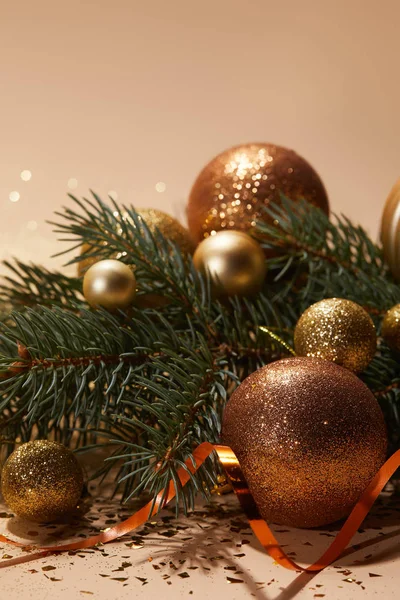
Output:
(121, 95)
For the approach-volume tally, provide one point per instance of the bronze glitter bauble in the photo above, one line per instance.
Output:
(391, 328)
(232, 189)
(110, 284)
(338, 330)
(42, 481)
(309, 436)
(390, 231)
(155, 220)
(235, 262)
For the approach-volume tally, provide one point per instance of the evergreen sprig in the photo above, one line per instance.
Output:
(151, 384)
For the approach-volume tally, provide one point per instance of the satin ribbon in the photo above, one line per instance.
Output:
(258, 525)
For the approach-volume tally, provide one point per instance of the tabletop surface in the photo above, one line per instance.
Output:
(208, 554)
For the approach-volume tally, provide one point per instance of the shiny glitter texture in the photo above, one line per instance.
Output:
(232, 189)
(390, 231)
(235, 262)
(41, 481)
(155, 220)
(338, 330)
(110, 284)
(309, 436)
(391, 328)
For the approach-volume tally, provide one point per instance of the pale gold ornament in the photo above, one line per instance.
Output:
(110, 284)
(391, 328)
(235, 262)
(42, 481)
(156, 220)
(338, 330)
(309, 436)
(390, 231)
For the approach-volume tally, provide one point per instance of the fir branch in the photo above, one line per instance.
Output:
(30, 285)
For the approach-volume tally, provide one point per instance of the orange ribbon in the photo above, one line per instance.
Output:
(258, 525)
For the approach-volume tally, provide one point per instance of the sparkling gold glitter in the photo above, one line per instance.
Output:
(302, 472)
(155, 219)
(243, 179)
(338, 330)
(235, 261)
(391, 328)
(41, 481)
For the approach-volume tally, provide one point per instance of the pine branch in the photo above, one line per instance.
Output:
(30, 285)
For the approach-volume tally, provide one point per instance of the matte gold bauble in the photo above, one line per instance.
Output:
(338, 330)
(232, 189)
(110, 284)
(391, 328)
(155, 220)
(42, 481)
(390, 231)
(235, 262)
(309, 436)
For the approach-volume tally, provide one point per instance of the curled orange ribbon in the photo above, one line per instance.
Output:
(258, 525)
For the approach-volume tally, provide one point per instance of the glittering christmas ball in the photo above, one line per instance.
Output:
(156, 220)
(309, 436)
(391, 328)
(338, 330)
(232, 189)
(390, 231)
(110, 284)
(42, 481)
(235, 262)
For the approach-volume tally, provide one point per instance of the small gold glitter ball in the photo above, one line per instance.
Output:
(235, 262)
(232, 189)
(110, 284)
(391, 328)
(155, 220)
(309, 436)
(42, 481)
(390, 231)
(338, 330)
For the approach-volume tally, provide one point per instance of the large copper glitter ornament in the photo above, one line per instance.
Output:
(42, 481)
(235, 262)
(390, 231)
(232, 189)
(309, 436)
(338, 330)
(156, 220)
(391, 328)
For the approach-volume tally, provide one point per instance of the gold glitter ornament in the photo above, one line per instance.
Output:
(391, 328)
(338, 330)
(309, 436)
(110, 284)
(232, 189)
(155, 220)
(390, 231)
(42, 481)
(235, 262)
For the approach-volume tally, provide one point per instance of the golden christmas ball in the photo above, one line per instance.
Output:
(235, 262)
(42, 481)
(390, 231)
(309, 436)
(232, 189)
(391, 328)
(338, 330)
(155, 220)
(110, 284)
